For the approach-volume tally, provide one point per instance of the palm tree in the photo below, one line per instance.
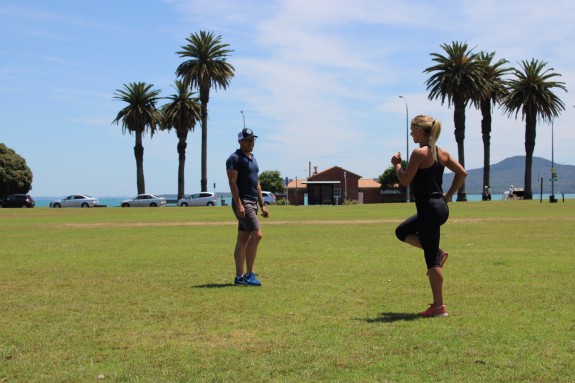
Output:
(139, 116)
(206, 67)
(495, 90)
(531, 93)
(181, 114)
(457, 77)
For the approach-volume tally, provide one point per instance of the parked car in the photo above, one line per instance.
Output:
(75, 200)
(199, 199)
(144, 200)
(17, 200)
(269, 198)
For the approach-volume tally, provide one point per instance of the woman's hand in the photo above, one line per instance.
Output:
(396, 159)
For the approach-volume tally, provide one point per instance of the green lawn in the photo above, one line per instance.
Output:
(145, 295)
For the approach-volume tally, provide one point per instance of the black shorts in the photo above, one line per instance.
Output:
(431, 214)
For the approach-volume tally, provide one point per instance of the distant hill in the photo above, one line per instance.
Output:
(511, 171)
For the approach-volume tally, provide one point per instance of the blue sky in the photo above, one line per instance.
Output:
(318, 81)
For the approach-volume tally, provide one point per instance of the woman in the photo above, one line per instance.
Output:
(425, 174)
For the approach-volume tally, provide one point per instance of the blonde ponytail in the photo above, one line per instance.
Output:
(431, 127)
(435, 132)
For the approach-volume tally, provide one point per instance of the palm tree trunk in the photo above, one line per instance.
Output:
(486, 136)
(204, 98)
(459, 122)
(530, 133)
(139, 154)
(182, 145)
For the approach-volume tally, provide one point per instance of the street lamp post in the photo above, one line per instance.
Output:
(244, 118)
(406, 143)
(296, 191)
(553, 172)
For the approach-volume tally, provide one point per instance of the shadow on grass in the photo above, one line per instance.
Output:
(392, 317)
(213, 286)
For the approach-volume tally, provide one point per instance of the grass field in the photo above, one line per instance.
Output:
(145, 295)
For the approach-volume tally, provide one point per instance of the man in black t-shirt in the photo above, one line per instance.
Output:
(242, 169)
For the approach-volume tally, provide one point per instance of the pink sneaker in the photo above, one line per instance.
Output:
(440, 311)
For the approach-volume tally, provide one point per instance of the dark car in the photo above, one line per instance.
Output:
(17, 200)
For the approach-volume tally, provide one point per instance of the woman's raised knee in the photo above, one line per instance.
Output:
(400, 234)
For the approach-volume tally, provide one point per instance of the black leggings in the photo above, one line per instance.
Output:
(431, 214)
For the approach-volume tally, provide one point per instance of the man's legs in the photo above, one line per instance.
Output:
(240, 252)
(252, 249)
(246, 250)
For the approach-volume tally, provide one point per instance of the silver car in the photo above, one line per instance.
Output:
(269, 198)
(144, 200)
(75, 200)
(199, 199)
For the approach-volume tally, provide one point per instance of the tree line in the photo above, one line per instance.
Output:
(205, 67)
(459, 76)
(464, 77)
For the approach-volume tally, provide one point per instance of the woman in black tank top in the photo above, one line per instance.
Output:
(425, 174)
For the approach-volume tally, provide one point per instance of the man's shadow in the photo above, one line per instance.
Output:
(392, 317)
(213, 286)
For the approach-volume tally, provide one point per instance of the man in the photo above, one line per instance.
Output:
(242, 169)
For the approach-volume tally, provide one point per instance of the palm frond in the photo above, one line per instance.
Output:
(183, 110)
(456, 75)
(531, 91)
(141, 114)
(207, 65)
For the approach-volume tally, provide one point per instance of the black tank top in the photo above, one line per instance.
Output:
(427, 182)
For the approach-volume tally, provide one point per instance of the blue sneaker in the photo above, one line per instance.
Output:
(251, 280)
(239, 281)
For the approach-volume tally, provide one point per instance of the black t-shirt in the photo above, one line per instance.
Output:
(247, 169)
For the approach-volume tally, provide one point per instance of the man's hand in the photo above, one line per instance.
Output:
(265, 212)
(241, 211)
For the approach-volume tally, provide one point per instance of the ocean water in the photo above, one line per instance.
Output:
(116, 201)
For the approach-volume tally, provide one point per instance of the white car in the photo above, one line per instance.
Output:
(269, 198)
(144, 200)
(199, 199)
(76, 200)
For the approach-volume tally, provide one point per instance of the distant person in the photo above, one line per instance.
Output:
(242, 169)
(486, 193)
(510, 194)
(425, 173)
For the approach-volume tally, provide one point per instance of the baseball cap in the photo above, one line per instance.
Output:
(246, 133)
